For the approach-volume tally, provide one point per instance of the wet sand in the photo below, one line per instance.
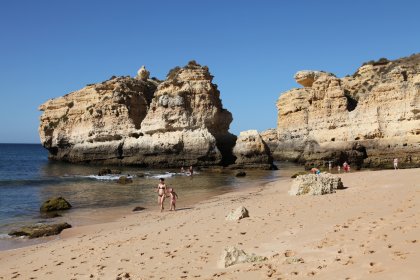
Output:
(370, 230)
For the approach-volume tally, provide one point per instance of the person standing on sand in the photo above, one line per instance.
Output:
(395, 163)
(174, 196)
(345, 165)
(191, 170)
(339, 168)
(329, 165)
(161, 190)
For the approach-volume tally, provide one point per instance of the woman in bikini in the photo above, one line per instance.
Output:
(161, 190)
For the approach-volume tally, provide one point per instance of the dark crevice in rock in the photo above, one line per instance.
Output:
(120, 150)
(404, 74)
(225, 145)
(351, 102)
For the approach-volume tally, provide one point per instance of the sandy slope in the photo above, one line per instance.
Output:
(371, 230)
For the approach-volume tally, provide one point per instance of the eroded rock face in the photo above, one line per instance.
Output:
(91, 124)
(143, 74)
(307, 77)
(140, 121)
(313, 184)
(270, 137)
(366, 119)
(251, 151)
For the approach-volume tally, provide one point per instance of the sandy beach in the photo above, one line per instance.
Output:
(370, 230)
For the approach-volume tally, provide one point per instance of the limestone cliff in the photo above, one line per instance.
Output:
(141, 121)
(367, 118)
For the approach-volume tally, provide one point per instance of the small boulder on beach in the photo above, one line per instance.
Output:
(232, 255)
(315, 184)
(40, 230)
(55, 204)
(238, 214)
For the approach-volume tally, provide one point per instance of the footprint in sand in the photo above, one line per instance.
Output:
(375, 268)
(399, 255)
(123, 275)
(289, 253)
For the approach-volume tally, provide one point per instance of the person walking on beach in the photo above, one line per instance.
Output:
(173, 196)
(395, 163)
(161, 190)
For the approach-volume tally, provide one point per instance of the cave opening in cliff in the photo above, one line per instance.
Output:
(351, 102)
(404, 74)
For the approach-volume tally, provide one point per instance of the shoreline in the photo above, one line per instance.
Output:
(80, 218)
(367, 231)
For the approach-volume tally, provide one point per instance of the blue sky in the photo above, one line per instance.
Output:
(253, 48)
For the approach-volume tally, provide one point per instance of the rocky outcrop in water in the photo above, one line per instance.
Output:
(40, 230)
(141, 121)
(366, 119)
(251, 151)
(55, 204)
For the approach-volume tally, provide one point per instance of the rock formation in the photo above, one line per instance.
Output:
(55, 204)
(270, 137)
(366, 119)
(312, 184)
(40, 230)
(240, 213)
(141, 121)
(232, 255)
(251, 151)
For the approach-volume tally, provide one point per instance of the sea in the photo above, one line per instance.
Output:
(28, 178)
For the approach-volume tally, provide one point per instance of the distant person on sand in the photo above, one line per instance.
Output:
(345, 166)
(315, 171)
(191, 170)
(173, 196)
(161, 190)
(395, 163)
(339, 168)
(329, 165)
(182, 170)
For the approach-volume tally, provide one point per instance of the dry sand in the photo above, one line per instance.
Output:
(371, 230)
